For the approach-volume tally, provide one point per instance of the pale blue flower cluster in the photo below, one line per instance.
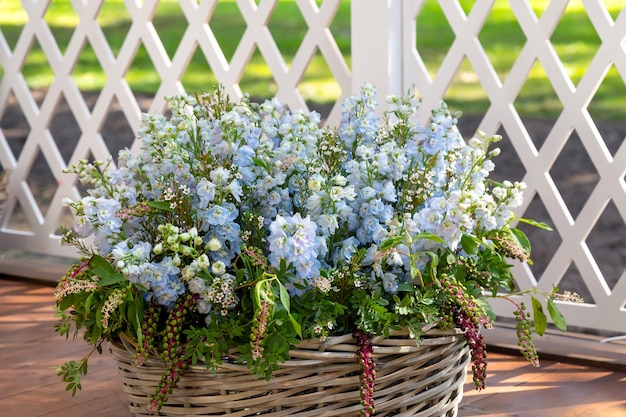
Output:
(176, 216)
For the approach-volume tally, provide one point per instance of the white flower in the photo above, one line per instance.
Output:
(214, 245)
(203, 261)
(218, 268)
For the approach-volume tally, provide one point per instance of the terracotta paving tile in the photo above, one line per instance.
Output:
(29, 387)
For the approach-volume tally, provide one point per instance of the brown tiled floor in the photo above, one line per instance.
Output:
(29, 387)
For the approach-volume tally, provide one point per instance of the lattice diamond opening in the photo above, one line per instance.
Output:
(36, 68)
(16, 219)
(502, 38)
(294, 25)
(198, 76)
(4, 179)
(61, 19)
(607, 243)
(544, 243)
(340, 27)
(142, 77)
(64, 129)
(605, 104)
(228, 27)
(169, 18)
(89, 75)
(116, 131)
(571, 42)
(508, 164)
(573, 281)
(539, 7)
(467, 5)
(318, 87)
(11, 32)
(574, 174)
(466, 92)
(66, 219)
(115, 23)
(613, 9)
(41, 181)
(538, 99)
(14, 126)
(433, 40)
(257, 78)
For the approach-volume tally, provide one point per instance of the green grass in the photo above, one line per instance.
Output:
(574, 40)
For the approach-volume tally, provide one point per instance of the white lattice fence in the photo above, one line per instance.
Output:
(606, 308)
(31, 225)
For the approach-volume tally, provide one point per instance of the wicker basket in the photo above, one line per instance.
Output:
(321, 379)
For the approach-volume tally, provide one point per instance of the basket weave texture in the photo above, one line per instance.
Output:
(321, 379)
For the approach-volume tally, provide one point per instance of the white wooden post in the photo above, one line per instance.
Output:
(377, 45)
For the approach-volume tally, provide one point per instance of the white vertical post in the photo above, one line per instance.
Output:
(377, 45)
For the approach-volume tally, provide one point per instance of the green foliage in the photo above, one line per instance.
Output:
(71, 372)
(541, 321)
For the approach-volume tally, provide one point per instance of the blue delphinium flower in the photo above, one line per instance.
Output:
(294, 240)
(309, 199)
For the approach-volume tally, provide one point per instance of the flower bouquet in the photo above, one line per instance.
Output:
(247, 228)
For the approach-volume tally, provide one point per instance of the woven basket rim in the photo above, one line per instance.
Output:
(321, 379)
(335, 347)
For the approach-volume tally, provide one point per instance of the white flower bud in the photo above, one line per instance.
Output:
(186, 250)
(218, 268)
(214, 245)
(495, 152)
(203, 261)
(340, 180)
(158, 248)
(475, 143)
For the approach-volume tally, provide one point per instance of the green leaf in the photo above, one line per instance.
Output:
(88, 301)
(541, 321)
(469, 244)
(429, 236)
(161, 205)
(521, 239)
(406, 286)
(391, 242)
(260, 163)
(105, 271)
(427, 301)
(486, 306)
(556, 315)
(101, 263)
(285, 300)
(382, 301)
(535, 223)
(66, 302)
(112, 279)
(135, 309)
